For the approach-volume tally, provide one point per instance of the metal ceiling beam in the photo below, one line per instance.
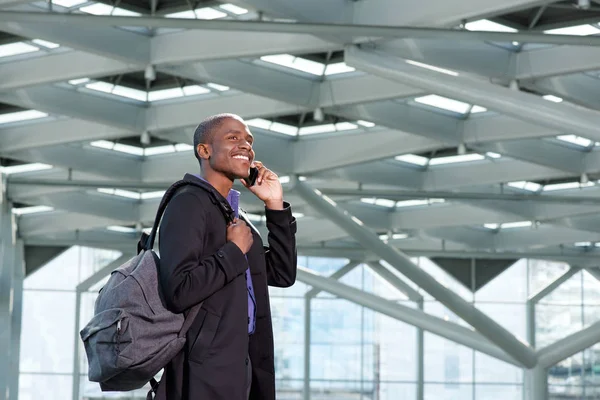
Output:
(552, 61)
(77, 104)
(453, 131)
(60, 67)
(197, 45)
(487, 327)
(361, 33)
(113, 43)
(449, 330)
(92, 160)
(40, 134)
(581, 89)
(61, 222)
(524, 106)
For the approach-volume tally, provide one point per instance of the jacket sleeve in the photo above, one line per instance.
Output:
(281, 255)
(188, 275)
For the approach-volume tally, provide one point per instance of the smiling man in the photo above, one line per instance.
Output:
(229, 351)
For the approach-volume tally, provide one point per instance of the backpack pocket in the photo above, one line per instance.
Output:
(105, 338)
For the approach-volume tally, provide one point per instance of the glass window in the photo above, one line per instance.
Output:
(509, 286)
(448, 391)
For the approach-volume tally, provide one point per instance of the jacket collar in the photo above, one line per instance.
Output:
(215, 195)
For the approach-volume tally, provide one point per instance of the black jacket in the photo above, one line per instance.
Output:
(198, 264)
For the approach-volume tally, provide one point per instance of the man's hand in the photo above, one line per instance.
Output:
(240, 233)
(267, 187)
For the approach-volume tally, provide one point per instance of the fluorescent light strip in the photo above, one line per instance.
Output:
(13, 49)
(488, 26)
(525, 185)
(577, 140)
(456, 159)
(297, 63)
(447, 104)
(395, 236)
(232, 8)
(566, 186)
(17, 169)
(432, 68)
(552, 98)
(509, 225)
(31, 210)
(21, 116)
(45, 43)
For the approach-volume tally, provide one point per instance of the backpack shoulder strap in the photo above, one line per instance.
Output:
(147, 240)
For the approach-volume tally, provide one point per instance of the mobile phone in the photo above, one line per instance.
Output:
(251, 180)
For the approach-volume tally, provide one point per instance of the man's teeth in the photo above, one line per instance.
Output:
(242, 158)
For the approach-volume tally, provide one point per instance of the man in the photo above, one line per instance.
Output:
(229, 351)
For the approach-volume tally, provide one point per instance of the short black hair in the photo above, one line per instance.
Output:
(205, 131)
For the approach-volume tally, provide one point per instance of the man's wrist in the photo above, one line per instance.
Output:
(274, 204)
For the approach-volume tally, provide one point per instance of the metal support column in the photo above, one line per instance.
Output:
(7, 241)
(420, 358)
(489, 328)
(307, 340)
(536, 383)
(16, 320)
(79, 290)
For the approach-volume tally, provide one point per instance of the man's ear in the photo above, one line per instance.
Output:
(203, 151)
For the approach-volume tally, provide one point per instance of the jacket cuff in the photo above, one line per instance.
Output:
(281, 217)
(232, 260)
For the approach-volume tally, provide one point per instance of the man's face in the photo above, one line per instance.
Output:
(231, 149)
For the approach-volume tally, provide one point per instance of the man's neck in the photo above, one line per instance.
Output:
(219, 181)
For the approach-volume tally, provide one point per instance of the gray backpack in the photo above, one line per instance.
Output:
(132, 335)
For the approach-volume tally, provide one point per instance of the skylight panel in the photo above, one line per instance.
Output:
(445, 103)
(216, 86)
(21, 116)
(121, 193)
(97, 9)
(300, 64)
(104, 9)
(129, 93)
(379, 202)
(432, 67)
(69, 3)
(121, 229)
(283, 128)
(259, 123)
(491, 154)
(579, 30)
(338, 68)
(488, 26)
(418, 202)
(46, 43)
(583, 244)
(232, 8)
(525, 185)
(577, 140)
(209, 13)
(311, 130)
(152, 195)
(189, 14)
(17, 169)
(509, 225)
(456, 159)
(125, 148)
(552, 98)
(76, 82)
(284, 179)
(152, 151)
(366, 124)
(31, 210)
(118, 90)
(395, 236)
(194, 90)
(345, 126)
(183, 147)
(165, 94)
(566, 186)
(478, 109)
(13, 49)
(413, 159)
